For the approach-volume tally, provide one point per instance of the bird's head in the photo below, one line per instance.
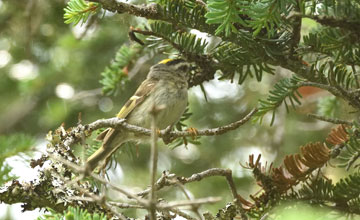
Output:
(177, 67)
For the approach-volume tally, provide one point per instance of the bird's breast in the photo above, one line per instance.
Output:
(170, 96)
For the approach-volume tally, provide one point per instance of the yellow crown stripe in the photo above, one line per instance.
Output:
(165, 61)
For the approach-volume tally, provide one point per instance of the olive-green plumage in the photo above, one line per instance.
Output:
(165, 86)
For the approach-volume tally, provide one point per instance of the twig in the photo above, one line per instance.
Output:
(208, 68)
(298, 67)
(126, 205)
(352, 160)
(143, 204)
(333, 22)
(172, 209)
(350, 97)
(355, 76)
(92, 197)
(151, 33)
(191, 203)
(331, 120)
(164, 181)
(336, 90)
(214, 131)
(181, 213)
(83, 170)
(194, 208)
(156, 12)
(154, 160)
(168, 180)
(296, 32)
(117, 122)
(331, 89)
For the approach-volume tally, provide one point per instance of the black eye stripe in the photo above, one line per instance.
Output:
(183, 68)
(174, 62)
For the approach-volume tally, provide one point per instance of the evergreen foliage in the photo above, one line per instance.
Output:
(79, 10)
(253, 37)
(284, 89)
(234, 60)
(224, 13)
(333, 43)
(234, 40)
(351, 152)
(343, 194)
(186, 42)
(116, 74)
(73, 213)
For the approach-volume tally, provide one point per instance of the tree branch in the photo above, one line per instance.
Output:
(350, 25)
(298, 67)
(296, 26)
(142, 204)
(166, 135)
(172, 180)
(328, 88)
(203, 61)
(331, 120)
(150, 11)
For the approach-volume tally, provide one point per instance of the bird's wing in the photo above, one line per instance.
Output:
(107, 136)
(140, 95)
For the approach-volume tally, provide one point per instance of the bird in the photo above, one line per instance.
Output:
(166, 86)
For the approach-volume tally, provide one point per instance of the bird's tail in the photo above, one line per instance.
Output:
(100, 157)
(111, 142)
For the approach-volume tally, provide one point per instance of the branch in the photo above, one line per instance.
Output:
(331, 120)
(352, 26)
(172, 180)
(157, 12)
(92, 198)
(14, 192)
(59, 149)
(296, 26)
(328, 88)
(142, 204)
(302, 69)
(196, 202)
(45, 193)
(166, 135)
(172, 209)
(83, 170)
(205, 62)
(150, 11)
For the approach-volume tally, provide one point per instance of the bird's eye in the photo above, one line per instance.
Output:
(183, 68)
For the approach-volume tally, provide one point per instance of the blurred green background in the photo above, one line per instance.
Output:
(50, 73)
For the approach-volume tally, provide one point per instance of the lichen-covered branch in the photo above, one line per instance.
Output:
(55, 175)
(141, 203)
(29, 194)
(46, 192)
(150, 11)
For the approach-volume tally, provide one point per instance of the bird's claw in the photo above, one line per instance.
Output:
(193, 132)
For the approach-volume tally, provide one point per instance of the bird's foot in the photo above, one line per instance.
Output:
(193, 132)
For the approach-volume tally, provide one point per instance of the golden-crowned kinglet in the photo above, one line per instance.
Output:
(165, 86)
